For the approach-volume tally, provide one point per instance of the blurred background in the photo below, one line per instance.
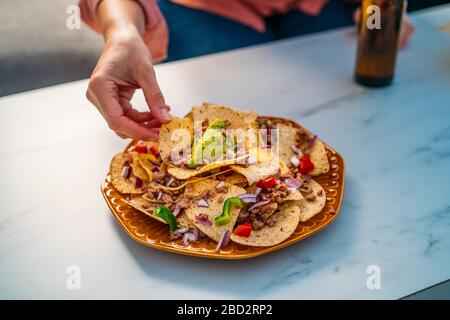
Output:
(38, 50)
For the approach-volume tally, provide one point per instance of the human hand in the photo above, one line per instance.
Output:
(124, 66)
(407, 28)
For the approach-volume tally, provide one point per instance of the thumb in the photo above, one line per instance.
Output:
(154, 97)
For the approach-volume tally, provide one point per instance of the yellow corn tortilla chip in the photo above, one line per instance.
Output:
(138, 169)
(285, 225)
(294, 195)
(284, 170)
(147, 165)
(215, 207)
(235, 178)
(318, 154)
(309, 209)
(185, 173)
(259, 170)
(239, 119)
(145, 206)
(171, 138)
(120, 183)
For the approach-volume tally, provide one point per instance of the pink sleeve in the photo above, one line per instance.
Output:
(156, 34)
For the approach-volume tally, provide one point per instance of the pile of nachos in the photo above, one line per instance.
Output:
(226, 174)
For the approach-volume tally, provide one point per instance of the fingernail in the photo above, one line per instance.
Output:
(165, 114)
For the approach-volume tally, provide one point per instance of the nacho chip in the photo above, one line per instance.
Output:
(138, 169)
(146, 164)
(285, 225)
(309, 209)
(318, 154)
(239, 119)
(284, 170)
(120, 183)
(175, 136)
(185, 173)
(295, 195)
(146, 206)
(236, 179)
(215, 203)
(259, 170)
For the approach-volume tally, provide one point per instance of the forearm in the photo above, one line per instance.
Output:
(118, 17)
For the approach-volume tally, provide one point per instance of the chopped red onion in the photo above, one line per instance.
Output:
(202, 203)
(295, 161)
(155, 169)
(295, 150)
(248, 197)
(177, 211)
(220, 185)
(203, 220)
(312, 142)
(223, 242)
(249, 200)
(171, 180)
(159, 195)
(258, 191)
(292, 183)
(181, 230)
(258, 204)
(188, 237)
(126, 172)
(138, 182)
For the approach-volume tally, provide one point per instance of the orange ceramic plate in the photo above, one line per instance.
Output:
(153, 233)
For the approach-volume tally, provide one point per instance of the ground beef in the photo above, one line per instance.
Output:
(276, 193)
(184, 202)
(257, 224)
(258, 217)
(271, 221)
(158, 176)
(307, 191)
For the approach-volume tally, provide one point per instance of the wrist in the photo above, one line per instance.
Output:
(122, 33)
(121, 18)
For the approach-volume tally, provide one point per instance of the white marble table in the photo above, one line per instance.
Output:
(55, 149)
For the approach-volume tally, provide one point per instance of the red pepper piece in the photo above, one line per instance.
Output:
(154, 150)
(267, 183)
(305, 166)
(140, 148)
(243, 230)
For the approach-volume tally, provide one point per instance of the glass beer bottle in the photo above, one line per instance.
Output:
(378, 41)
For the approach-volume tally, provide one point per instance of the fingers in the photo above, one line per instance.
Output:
(123, 125)
(103, 93)
(153, 96)
(152, 124)
(139, 117)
